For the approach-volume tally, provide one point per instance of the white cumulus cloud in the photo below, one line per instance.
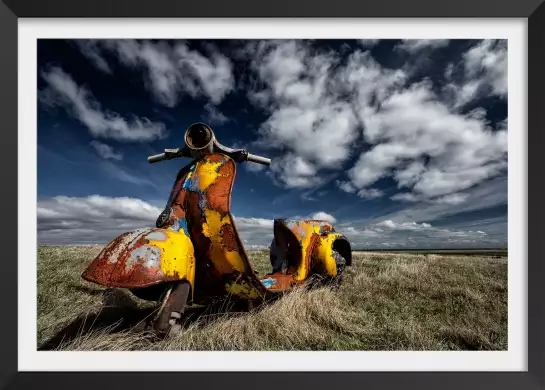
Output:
(426, 146)
(306, 118)
(169, 71)
(62, 90)
(321, 109)
(483, 72)
(321, 215)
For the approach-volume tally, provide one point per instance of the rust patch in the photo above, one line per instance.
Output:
(229, 238)
(219, 193)
(282, 282)
(216, 157)
(127, 262)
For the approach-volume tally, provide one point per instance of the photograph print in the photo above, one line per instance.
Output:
(283, 195)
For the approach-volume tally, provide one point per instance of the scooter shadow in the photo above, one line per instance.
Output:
(120, 312)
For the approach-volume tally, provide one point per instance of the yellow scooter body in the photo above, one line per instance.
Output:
(196, 240)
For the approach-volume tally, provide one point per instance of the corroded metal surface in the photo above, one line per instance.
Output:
(143, 258)
(307, 233)
(304, 239)
(200, 202)
(279, 281)
(196, 240)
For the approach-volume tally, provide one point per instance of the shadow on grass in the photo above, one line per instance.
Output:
(120, 312)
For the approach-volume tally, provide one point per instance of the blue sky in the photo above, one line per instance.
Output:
(403, 144)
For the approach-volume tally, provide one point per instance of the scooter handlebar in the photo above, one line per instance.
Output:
(169, 154)
(157, 158)
(258, 159)
(238, 155)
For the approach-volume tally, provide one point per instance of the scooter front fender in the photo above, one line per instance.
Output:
(144, 257)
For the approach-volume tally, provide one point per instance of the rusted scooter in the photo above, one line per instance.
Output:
(195, 254)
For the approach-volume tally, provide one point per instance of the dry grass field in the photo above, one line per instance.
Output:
(387, 301)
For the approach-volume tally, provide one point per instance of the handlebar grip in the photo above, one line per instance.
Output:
(157, 158)
(258, 159)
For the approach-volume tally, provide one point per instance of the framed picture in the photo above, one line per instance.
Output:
(307, 194)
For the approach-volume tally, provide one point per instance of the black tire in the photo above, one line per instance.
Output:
(167, 322)
(341, 265)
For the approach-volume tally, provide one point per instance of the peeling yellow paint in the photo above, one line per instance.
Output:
(324, 253)
(207, 172)
(177, 255)
(242, 289)
(226, 262)
(214, 222)
(235, 260)
(304, 232)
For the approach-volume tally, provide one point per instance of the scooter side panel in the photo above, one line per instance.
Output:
(204, 201)
(308, 233)
(143, 258)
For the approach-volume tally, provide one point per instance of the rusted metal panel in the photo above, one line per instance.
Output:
(307, 233)
(143, 258)
(202, 201)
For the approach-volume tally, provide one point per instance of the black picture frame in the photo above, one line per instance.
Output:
(11, 10)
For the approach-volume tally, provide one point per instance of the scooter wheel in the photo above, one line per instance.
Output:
(167, 322)
(341, 264)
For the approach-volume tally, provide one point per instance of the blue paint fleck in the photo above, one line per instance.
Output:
(180, 224)
(187, 184)
(268, 283)
(183, 226)
(222, 163)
